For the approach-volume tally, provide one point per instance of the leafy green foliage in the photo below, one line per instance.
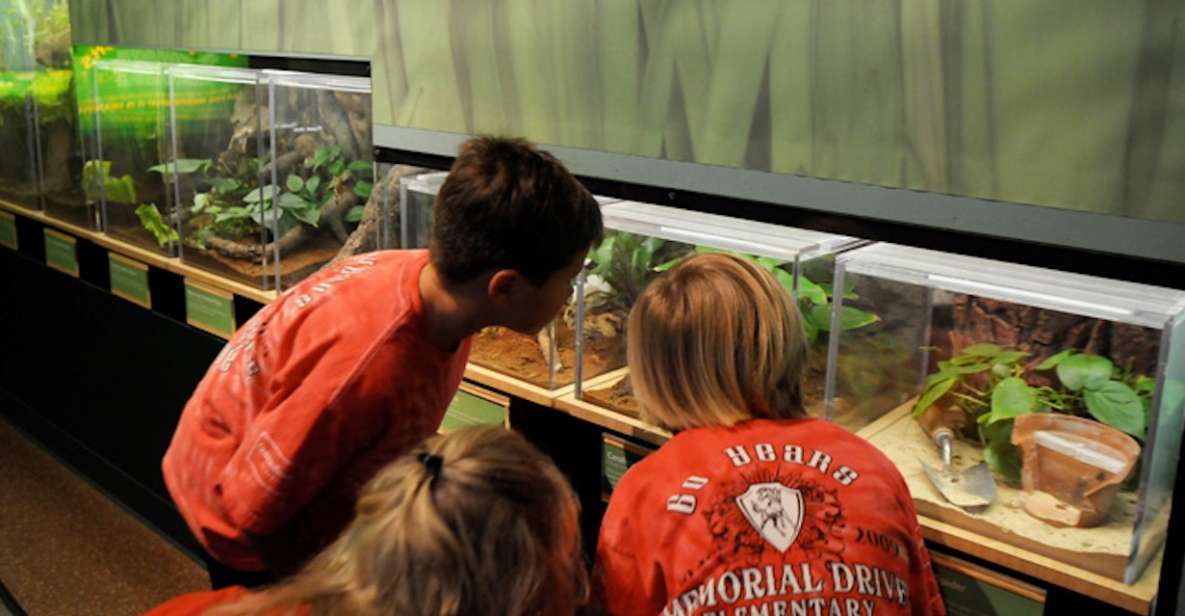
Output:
(97, 179)
(228, 201)
(988, 382)
(155, 224)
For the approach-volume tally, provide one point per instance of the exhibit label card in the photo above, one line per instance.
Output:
(61, 252)
(8, 230)
(468, 410)
(617, 456)
(209, 309)
(129, 280)
(976, 595)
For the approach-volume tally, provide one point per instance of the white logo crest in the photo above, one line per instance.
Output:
(774, 511)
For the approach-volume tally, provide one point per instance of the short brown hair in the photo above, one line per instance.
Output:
(716, 341)
(508, 205)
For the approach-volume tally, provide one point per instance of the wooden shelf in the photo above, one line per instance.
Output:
(611, 420)
(515, 387)
(1135, 598)
(155, 259)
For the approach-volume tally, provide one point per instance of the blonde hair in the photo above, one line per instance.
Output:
(494, 529)
(716, 341)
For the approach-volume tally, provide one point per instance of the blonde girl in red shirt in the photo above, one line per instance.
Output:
(751, 508)
(475, 522)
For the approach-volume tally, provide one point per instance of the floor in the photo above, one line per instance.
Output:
(65, 548)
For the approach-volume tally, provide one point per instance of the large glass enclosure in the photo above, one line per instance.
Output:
(320, 171)
(19, 181)
(1069, 388)
(216, 163)
(129, 171)
(274, 171)
(643, 241)
(59, 140)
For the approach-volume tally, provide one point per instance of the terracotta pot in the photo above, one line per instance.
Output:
(1072, 467)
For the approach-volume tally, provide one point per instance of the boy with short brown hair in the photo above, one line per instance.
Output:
(354, 366)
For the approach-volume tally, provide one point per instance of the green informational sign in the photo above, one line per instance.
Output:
(129, 280)
(617, 456)
(213, 311)
(468, 410)
(61, 252)
(8, 230)
(968, 596)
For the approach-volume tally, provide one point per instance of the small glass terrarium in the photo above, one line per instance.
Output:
(1065, 392)
(217, 160)
(320, 171)
(548, 359)
(19, 179)
(274, 171)
(59, 138)
(642, 241)
(18, 174)
(416, 196)
(129, 171)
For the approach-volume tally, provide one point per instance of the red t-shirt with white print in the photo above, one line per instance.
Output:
(308, 400)
(766, 517)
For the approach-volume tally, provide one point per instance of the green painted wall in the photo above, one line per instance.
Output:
(1076, 104)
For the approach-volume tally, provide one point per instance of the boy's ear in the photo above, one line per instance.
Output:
(503, 284)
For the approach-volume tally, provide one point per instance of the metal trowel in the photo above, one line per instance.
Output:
(974, 488)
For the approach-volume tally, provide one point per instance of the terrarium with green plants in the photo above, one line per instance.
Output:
(643, 241)
(59, 146)
(1039, 408)
(19, 180)
(273, 175)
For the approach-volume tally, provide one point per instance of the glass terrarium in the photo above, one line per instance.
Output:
(216, 164)
(59, 139)
(416, 196)
(322, 177)
(18, 133)
(18, 174)
(274, 170)
(129, 173)
(547, 359)
(642, 241)
(388, 230)
(1063, 391)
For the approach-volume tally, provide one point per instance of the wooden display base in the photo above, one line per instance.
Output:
(606, 418)
(1087, 560)
(146, 256)
(515, 387)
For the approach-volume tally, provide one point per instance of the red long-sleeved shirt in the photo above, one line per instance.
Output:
(306, 402)
(766, 517)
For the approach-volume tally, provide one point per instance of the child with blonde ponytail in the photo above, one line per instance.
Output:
(474, 522)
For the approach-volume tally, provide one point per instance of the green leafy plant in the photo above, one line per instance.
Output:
(627, 262)
(152, 220)
(988, 383)
(96, 177)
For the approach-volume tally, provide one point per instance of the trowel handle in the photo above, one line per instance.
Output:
(939, 424)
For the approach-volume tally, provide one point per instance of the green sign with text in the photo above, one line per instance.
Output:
(61, 252)
(967, 596)
(213, 311)
(617, 456)
(129, 280)
(8, 230)
(467, 410)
